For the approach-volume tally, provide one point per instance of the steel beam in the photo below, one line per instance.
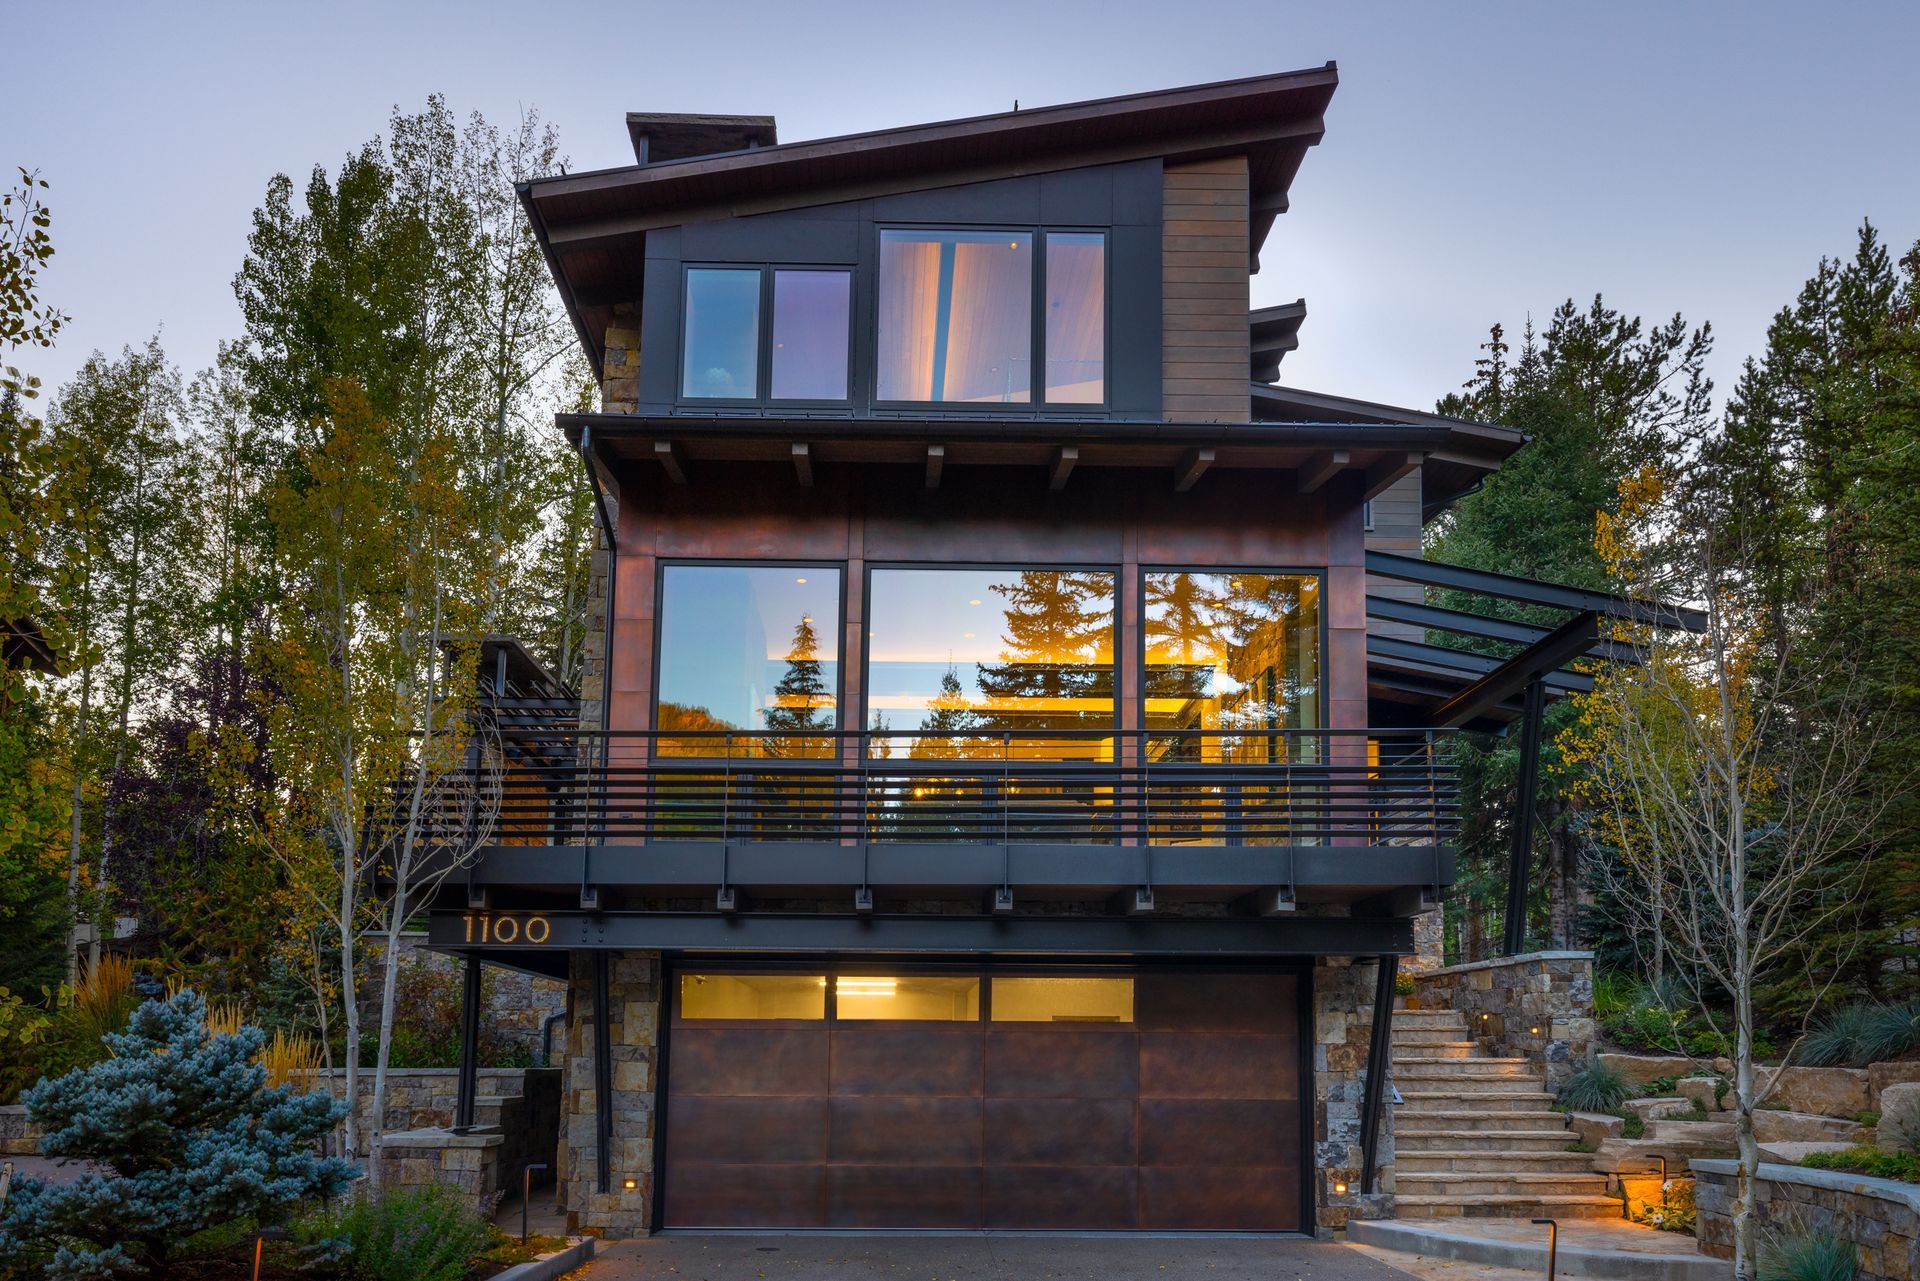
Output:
(1520, 853)
(467, 1086)
(603, 1070)
(1529, 667)
(1433, 573)
(1376, 1088)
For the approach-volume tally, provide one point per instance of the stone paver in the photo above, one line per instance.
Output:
(1594, 1234)
(986, 1258)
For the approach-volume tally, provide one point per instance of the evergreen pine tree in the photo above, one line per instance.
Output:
(802, 710)
(186, 1136)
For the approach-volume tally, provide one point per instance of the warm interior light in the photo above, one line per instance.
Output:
(799, 580)
(974, 601)
(866, 987)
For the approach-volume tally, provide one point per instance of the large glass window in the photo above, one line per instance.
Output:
(966, 663)
(1067, 999)
(752, 648)
(720, 359)
(933, 998)
(753, 996)
(956, 316)
(1076, 350)
(1230, 656)
(810, 323)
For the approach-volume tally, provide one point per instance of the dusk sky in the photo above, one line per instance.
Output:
(1482, 162)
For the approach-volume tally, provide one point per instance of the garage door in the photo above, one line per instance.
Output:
(955, 1100)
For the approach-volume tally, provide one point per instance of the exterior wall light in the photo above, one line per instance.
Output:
(1340, 1189)
(630, 1184)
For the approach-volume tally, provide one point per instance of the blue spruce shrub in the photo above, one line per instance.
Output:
(187, 1137)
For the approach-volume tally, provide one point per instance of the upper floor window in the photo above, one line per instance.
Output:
(955, 317)
(804, 357)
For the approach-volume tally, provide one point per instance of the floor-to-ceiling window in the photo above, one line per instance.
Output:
(1232, 659)
(749, 660)
(965, 663)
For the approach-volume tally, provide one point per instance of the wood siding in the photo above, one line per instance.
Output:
(1396, 528)
(1203, 272)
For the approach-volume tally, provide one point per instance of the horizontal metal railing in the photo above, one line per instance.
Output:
(567, 786)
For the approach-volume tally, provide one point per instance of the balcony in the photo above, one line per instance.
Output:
(1196, 813)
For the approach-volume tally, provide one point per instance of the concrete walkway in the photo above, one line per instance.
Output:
(1604, 1248)
(982, 1258)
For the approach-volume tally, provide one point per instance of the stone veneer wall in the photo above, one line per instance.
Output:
(1342, 1032)
(1538, 1006)
(17, 1136)
(634, 1002)
(1881, 1217)
(523, 1102)
(469, 1162)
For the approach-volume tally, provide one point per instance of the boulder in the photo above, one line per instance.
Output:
(1641, 1068)
(1655, 1109)
(1840, 1092)
(1594, 1127)
(1771, 1126)
(1641, 1155)
(1703, 1090)
(1899, 1129)
(1881, 1075)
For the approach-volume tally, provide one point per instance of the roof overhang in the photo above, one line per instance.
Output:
(688, 448)
(1471, 451)
(593, 225)
(1272, 332)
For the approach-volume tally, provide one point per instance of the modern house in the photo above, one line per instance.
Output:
(1011, 713)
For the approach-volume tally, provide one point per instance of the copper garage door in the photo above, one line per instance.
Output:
(962, 1100)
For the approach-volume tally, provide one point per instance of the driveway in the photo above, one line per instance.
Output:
(982, 1258)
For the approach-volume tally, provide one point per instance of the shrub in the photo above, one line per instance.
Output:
(406, 1234)
(1646, 1027)
(1893, 1030)
(24, 1028)
(1844, 1038)
(1613, 993)
(183, 1136)
(1707, 1045)
(1821, 1257)
(1596, 1088)
(1403, 985)
(1870, 1161)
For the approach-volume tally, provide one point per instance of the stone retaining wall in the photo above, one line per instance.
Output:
(1881, 1217)
(470, 1162)
(17, 1136)
(523, 1102)
(1538, 1006)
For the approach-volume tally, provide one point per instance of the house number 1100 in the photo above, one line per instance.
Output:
(506, 929)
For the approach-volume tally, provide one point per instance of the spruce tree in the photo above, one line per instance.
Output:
(184, 1135)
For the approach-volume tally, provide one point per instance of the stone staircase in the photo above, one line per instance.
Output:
(1473, 1135)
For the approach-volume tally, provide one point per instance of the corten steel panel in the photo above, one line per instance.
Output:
(1217, 1003)
(1092, 1198)
(1218, 1065)
(1062, 1062)
(878, 1058)
(1060, 1132)
(757, 1060)
(904, 1130)
(903, 1196)
(1220, 1199)
(1217, 1132)
(744, 1196)
(738, 1130)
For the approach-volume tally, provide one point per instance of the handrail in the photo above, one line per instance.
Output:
(1138, 787)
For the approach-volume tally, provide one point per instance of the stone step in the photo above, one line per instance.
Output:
(1421, 1206)
(1417, 1116)
(1435, 1050)
(1428, 1018)
(1499, 1183)
(1425, 1084)
(1447, 1065)
(1496, 1143)
(1457, 1160)
(1452, 1099)
(1416, 1035)
(1606, 1254)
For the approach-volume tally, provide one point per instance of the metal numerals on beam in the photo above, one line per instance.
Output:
(1520, 855)
(1377, 1048)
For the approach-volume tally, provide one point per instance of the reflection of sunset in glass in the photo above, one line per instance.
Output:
(1231, 651)
(959, 659)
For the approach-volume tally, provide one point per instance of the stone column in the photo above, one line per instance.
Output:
(634, 999)
(1342, 1033)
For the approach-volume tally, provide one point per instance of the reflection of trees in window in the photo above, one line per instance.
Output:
(802, 704)
(1231, 651)
(950, 730)
(1058, 658)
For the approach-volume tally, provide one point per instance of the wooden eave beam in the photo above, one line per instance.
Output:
(936, 461)
(803, 464)
(667, 454)
(1388, 471)
(1562, 645)
(1323, 467)
(1191, 469)
(1063, 460)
